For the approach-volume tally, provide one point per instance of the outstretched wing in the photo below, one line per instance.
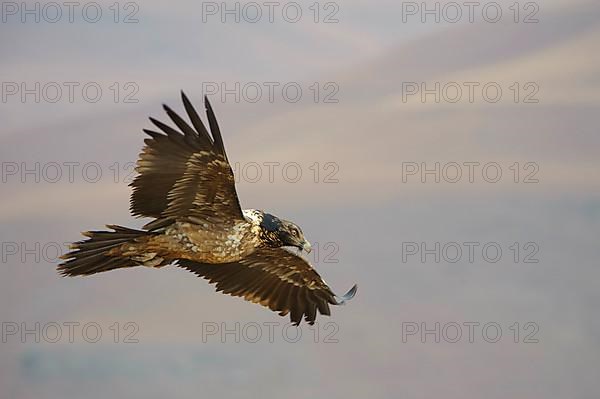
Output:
(275, 278)
(185, 173)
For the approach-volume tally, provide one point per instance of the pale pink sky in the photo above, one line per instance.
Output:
(364, 143)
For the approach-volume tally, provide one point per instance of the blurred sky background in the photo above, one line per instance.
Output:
(369, 133)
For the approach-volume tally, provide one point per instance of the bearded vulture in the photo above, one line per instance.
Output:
(186, 184)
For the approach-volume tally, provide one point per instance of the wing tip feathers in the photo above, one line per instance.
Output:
(348, 295)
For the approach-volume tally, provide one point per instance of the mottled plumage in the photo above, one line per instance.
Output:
(185, 183)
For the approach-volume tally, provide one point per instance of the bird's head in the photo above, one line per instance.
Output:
(276, 232)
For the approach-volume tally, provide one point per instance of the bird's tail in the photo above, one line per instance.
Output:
(106, 250)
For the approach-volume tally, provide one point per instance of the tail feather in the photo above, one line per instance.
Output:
(93, 255)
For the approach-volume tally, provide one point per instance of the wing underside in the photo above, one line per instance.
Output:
(274, 278)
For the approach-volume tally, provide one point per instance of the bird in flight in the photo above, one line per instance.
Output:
(185, 183)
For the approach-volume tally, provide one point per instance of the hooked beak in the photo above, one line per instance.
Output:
(306, 246)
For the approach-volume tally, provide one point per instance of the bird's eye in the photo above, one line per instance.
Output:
(295, 232)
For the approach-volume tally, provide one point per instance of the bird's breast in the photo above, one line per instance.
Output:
(211, 244)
